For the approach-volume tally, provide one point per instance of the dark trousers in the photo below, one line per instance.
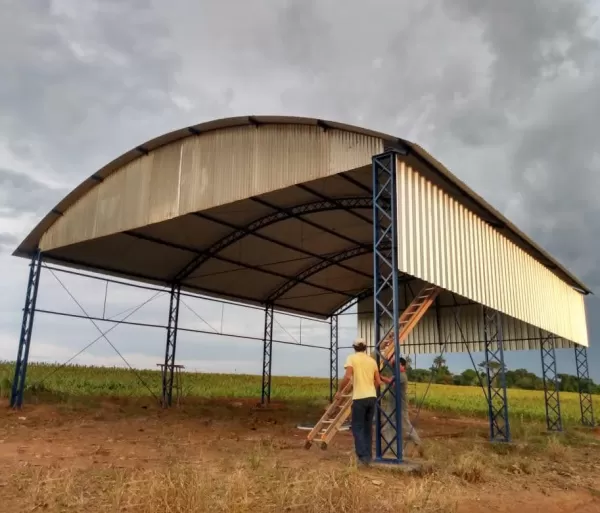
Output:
(363, 411)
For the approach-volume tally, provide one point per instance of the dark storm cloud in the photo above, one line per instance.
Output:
(21, 194)
(77, 82)
(545, 63)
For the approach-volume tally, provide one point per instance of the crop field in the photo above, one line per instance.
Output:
(44, 380)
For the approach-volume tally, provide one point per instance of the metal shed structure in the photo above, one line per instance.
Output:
(309, 216)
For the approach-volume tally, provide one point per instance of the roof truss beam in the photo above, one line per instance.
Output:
(239, 232)
(242, 265)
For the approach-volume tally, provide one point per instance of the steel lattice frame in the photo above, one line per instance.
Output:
(265, 394)
(496, 376)
(551, 385)
(333, 355)
(170, 347)
(386, 303)
(18, 384)
(255, 226)
(583, 378)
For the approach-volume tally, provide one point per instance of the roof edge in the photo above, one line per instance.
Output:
(30, 242)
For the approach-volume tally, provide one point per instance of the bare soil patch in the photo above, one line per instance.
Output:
(228, 455)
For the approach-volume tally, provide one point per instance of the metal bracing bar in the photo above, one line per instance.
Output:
(170, 348)
(308, 189)
(265, 395)
(333, 356)
(322, 228)
(273, 240)
(584, 382)
(550, 379)
(302, 276)
(239, 232)
(231, 261)
(18, 384)
(496, 376)
(388, 436)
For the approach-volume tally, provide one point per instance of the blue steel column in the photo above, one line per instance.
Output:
(496, 377)
(583, 379)
(550, 378)
(265, 396)
(333, 355)
(170, 347)
(386, 304)
(18, 384)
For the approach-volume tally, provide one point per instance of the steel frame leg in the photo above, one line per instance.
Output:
(386, 296)
(170, 347)
(333, 356)
(265, 396)
(583, 378)
(18, 384)
(496, 377)
(550, 379)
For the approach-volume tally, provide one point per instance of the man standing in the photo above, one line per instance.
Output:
(388, 405)
(363, 371)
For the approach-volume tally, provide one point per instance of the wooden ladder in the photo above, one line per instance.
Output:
(339, 410)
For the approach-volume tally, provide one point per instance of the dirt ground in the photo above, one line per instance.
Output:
(75, 457)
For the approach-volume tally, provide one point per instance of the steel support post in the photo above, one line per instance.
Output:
(333, 355)
(550, 379)
(496, 376)
(170, 348)
(583, 378)
(265, 396)
(18, 384)
(386, 303)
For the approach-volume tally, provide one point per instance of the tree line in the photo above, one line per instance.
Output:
(519, 378)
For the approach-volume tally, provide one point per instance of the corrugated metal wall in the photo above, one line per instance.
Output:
(443, 243)
(429, 335)
(204, 171)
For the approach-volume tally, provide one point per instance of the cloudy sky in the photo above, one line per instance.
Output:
(506, 94)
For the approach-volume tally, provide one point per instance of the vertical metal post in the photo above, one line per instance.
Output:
(18, 384)
(333, 356)
(496, 377)
(265, 396)
(550, 379)
(583, 379)
(170, 348)
(386, 304)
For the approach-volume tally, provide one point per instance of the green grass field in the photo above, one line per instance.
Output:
(79, 381)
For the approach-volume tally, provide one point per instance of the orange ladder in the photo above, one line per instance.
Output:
(339, 410)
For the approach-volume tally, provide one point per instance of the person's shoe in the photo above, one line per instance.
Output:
(362, 463)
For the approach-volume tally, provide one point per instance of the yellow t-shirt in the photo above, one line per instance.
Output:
(364, 368)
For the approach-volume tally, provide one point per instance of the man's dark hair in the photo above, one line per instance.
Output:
(402, 361)
(360, 347)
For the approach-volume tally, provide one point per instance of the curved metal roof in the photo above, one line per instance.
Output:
(31, 241)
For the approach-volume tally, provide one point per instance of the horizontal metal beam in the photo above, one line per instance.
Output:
(164, 326)
(311, 270)
(242, 265)
(239, 232)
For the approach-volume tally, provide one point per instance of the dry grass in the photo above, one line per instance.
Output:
(192, 489)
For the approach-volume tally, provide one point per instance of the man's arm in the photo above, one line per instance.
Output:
(345, 380)
(381, 379)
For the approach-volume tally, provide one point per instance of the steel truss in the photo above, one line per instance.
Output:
(265, 394)
(239, 232)
(333, 355)
(18, 384)
(496, 377)
(550, 379)
(583, 378)
(170, 348)
(172, 328)
(386, 303)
